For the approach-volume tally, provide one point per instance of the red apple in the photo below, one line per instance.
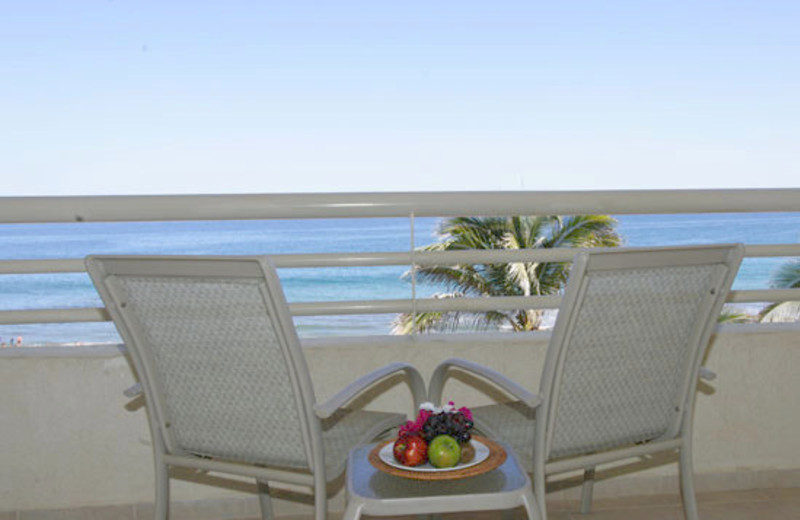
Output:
(410, 450)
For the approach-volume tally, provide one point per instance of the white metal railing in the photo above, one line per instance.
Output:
(360, 205)
(372, 205)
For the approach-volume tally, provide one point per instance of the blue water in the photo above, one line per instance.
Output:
(39, 241)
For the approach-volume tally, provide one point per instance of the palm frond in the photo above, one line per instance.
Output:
(445, 321)
(464, 278)
(783, 312)
(787, 276)
(733, 316)
(586, 231)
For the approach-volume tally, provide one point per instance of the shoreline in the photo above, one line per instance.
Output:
(750, 311)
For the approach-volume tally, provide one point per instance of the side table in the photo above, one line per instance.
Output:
(373, 492)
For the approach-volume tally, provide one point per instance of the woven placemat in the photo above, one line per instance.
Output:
(497, 455)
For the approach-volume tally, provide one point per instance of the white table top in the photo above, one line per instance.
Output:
(378, 493)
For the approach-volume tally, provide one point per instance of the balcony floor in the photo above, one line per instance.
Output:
(757, 504)
(753, 504)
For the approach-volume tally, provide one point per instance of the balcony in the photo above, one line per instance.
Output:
(72, 445)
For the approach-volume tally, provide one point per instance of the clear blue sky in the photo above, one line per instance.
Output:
(124, 96)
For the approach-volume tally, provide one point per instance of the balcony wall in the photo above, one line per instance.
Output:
(69, 439)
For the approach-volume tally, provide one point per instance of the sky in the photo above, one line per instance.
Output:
(150, 97)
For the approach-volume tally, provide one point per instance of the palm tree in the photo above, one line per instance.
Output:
(786, 277)
(512, 279)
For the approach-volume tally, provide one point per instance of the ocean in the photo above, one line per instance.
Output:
(41, 241)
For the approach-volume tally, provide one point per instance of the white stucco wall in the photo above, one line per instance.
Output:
(70, 439)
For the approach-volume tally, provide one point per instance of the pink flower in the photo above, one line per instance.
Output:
(466, 411)
(422, 417)
(412, 427)
(409, 428)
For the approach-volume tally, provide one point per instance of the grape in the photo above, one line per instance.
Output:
(447, 423)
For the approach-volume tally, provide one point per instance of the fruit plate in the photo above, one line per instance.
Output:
(488, 456)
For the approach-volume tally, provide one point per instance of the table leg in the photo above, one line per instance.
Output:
(531, 507)
(353, 511)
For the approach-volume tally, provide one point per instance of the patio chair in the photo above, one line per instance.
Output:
(621, 368)
(224, 377)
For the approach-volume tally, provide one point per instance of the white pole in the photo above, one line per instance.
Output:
(413, 277)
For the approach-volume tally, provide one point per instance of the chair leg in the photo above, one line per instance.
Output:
(162, 491)
(265, 501)
(687, 480)
(320, 498)
(539, 492)
(587, 491)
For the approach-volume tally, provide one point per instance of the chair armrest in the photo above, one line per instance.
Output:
(438, 377)
(133, 391)
(707, 374)
(415, 381)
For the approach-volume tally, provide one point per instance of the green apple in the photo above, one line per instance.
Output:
(444, 451)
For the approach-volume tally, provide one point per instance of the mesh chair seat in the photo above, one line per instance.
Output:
(516, 423)
(347, 429)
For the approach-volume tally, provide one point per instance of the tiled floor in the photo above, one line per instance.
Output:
(760, 504)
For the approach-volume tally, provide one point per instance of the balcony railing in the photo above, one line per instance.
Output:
(58, 399)
(377, 205)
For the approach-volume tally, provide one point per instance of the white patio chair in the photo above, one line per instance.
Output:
(224, 377)
(622, 365)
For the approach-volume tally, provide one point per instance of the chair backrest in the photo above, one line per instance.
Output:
(626, 349)
(217, 355)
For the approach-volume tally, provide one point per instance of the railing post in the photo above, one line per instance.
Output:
(413, 276)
